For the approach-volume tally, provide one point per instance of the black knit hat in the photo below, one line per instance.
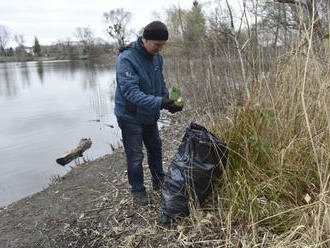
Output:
(155, 30)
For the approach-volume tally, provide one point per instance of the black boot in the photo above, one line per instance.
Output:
(141, 198)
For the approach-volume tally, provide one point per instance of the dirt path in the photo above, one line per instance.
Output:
(91, 206)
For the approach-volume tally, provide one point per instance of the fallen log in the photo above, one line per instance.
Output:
(84, 144)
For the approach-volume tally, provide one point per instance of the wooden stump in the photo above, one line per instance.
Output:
(84, 144)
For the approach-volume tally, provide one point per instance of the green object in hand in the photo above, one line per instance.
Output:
(174, 94)
(179, 103)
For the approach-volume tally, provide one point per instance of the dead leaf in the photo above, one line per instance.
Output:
(82, 215)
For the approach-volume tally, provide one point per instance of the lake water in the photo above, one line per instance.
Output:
(45, 109)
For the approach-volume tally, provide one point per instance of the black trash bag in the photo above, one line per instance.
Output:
(189, 178)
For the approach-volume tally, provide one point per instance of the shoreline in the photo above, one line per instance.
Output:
(103, 58)
(36, 59)
(163, 122)
(88, 194)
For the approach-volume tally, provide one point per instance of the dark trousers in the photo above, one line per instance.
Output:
(134, 135)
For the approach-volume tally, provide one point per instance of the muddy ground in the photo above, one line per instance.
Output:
(91, 206)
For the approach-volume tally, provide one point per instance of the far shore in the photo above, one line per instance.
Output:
(104, 57)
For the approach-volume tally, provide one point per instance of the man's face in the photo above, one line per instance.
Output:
(153, 46)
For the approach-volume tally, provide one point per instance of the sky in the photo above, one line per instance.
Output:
(53, 20)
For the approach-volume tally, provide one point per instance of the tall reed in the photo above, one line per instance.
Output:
(275, 191)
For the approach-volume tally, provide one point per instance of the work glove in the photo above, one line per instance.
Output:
(173, 108)
(169, 105)
(166, 103)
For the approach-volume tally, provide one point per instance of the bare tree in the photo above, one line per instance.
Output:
(20, 51)
(117, 21)
(67, 49)
(19, 39)
(86, 36)
(310, 13)
(4, 38)
(175, 17)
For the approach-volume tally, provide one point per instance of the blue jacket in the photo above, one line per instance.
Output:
(140, 84)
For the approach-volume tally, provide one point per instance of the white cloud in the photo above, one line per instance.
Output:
(52, 20)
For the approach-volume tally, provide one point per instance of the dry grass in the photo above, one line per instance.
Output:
(276, 190)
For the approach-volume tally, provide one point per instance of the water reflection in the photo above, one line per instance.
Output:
(40, 71)
(46, 108)
(90, 71)
(7, 82)
(74, 66)
(25, 74)
(15, 77)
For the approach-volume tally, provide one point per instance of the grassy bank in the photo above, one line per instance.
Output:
(276, 190)
(277, 184)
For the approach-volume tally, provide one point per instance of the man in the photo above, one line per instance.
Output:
(140, 95)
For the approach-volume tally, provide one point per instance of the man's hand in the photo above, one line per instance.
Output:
(174, 108)
(169, 105)
(166, 103)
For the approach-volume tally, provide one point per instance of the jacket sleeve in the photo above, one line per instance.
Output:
(128, 83)
(163, 83)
